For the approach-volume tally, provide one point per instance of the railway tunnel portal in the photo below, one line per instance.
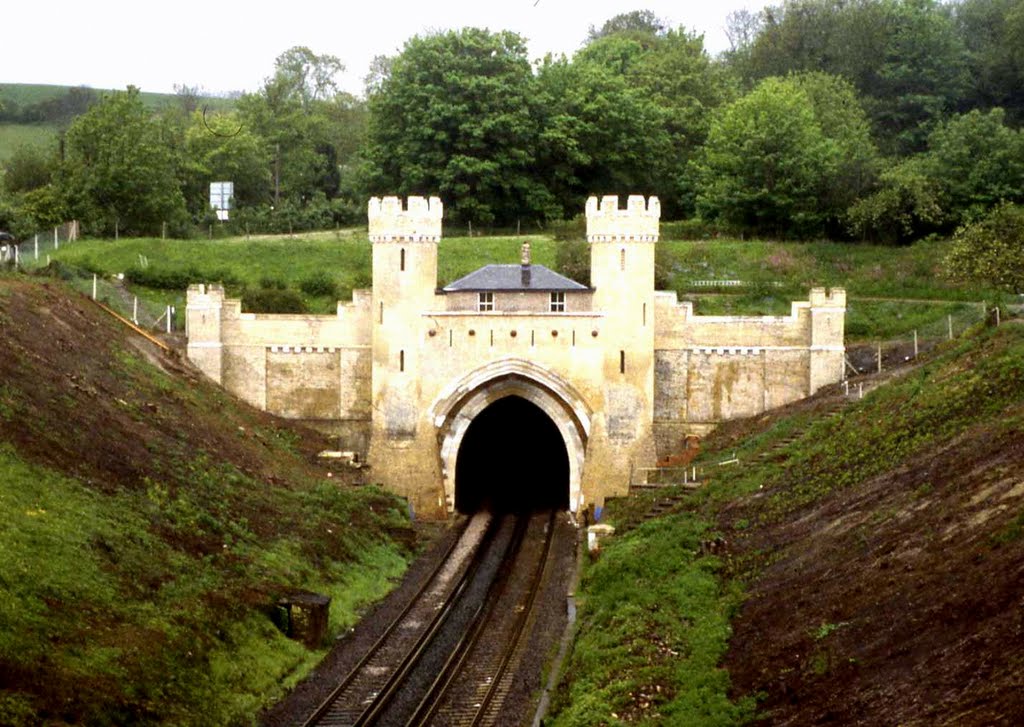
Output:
(512, 437)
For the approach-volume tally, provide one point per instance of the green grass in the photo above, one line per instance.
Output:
(124, 618)
(285, 260)
(913, 271)
(778, 273)
(14, 136)
(655, 609)
(653, 627)
(27, 94)
(151, 603)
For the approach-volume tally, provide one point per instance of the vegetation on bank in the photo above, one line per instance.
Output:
(655, 606)
(150, 524)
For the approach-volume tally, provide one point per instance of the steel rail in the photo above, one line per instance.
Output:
(384, 698)
(325, 705)
(432, 701)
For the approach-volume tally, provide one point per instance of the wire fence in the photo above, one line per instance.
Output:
(38, 252)
(878, 356)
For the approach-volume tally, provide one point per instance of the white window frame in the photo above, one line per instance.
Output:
(485, 301)
(557, 301)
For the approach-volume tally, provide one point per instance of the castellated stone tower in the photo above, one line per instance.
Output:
(622, 275)
(405, 244)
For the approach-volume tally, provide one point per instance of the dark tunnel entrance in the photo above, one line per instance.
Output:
(512, 458)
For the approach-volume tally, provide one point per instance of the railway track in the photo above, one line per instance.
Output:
(447, 658)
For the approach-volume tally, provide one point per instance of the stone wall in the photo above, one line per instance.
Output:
(715, 368)
(315, 368)
(624, 373)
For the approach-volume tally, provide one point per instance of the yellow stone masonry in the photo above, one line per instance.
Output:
(625, 372)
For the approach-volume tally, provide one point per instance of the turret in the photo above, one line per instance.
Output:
(622, 245)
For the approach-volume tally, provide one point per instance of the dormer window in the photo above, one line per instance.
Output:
(485, 302)
(557, 304)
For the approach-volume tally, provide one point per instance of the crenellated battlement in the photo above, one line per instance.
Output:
(418, 221)
(833, 298)
(607, 223)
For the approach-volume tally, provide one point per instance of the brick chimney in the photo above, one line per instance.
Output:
(524, 259)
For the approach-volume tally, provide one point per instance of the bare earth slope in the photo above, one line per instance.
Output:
(897, 598)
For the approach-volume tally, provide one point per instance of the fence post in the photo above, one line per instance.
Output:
(94, 286)
(949, 324)
(16, 258)
(56, 241)
(37, 245)
(163, 230)
(879, 357)
(168, 319)
(915, 343)
(860, 389)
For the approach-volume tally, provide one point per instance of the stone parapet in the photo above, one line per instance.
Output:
(638, 222)
(419, 221)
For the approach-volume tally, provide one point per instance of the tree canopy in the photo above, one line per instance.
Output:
(876, 119)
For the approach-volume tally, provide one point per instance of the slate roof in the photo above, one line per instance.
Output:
(510, 277)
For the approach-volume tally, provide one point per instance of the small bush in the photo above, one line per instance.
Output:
(271, 300)
(269, 281)
(320, 283)
(574, 229)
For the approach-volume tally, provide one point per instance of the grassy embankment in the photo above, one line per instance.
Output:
(149, 522)
(654, 619)
(777, 273)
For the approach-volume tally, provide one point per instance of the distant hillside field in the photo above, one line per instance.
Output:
(26, 94)
(13, 136)
(21, 96)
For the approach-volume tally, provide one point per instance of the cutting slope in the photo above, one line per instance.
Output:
(149, 522)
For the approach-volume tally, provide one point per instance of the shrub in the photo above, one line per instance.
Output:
(319, 283)
(270, 300)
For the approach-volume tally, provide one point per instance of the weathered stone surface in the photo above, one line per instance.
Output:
(625, 372)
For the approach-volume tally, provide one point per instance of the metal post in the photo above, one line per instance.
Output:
(997, 307)
(37, 245)
(879, 357)
(56, 241)
(915, 343)
(17, 260)
(135, 310)
(168, 319)
(860, 389)
(949, 324)
(94, 286)
(163, 230)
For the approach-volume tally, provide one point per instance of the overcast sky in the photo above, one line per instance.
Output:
(228, 45)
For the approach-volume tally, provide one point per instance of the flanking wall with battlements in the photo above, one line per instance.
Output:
(623, 371)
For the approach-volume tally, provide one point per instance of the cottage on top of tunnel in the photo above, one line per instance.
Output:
(514, 385)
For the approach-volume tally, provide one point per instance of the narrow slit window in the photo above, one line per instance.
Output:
(401, 360)
(557, 304)
(622, 362)
(485, 302)
(401, 260)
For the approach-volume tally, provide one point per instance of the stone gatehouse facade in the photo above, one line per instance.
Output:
(625, 372)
